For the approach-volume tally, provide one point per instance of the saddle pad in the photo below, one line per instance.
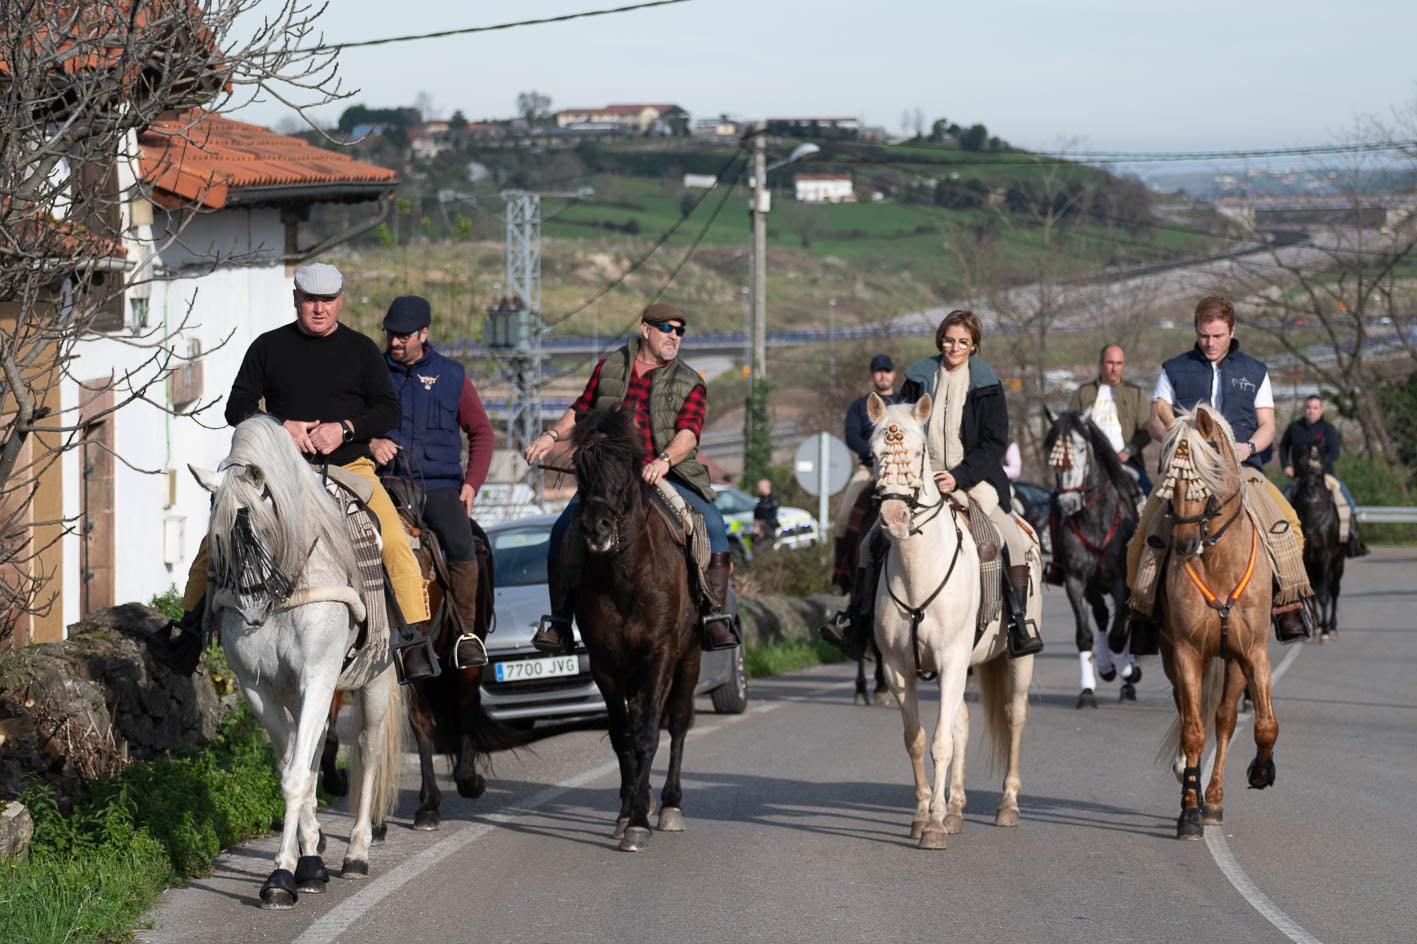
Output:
(363, 530)
(688, 531)
(1284, 547)
(991, 572)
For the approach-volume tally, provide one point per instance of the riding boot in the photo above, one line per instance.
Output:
(1053, 570)
(850, 629)
(553, 633)
(469, 651)
(1355, 546)
(716, 621)
(413, 651)
(178, 645)
(1023, 632)
(1291, 623)
(1140, 636)
(841, 578)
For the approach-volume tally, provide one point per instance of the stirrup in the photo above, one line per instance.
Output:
(422, 647)
(839, 633)
(553, 635)
(477, 649)
(1024, 640)
(709, 639)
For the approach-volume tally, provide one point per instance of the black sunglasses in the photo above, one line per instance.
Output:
(668, 328)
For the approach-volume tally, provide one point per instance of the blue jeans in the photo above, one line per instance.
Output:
(1288, 491)
(713, 521)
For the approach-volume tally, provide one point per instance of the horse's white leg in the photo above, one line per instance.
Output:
(944, 748)
(1020, 677)
(275, 719)
(372, 701)
(914, 736)
(954, 810)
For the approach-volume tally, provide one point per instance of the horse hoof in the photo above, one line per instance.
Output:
(620, 825)
(860, 699)
(311, 875)
(354, 868)
(1212, 815)
(1087, 699)
(636, 839)
(1128, 693)
(671, 820)
(1006, 817)
(1261, 775)
(954, 823)
(1188, 825)
(1133, 674)
(426, 820)
(933, 838)
(1107, 674)
(917, 827)
(279, 894)
(472, 787)
(379, 832)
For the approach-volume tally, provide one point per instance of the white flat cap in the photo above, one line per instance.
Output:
(319, 278)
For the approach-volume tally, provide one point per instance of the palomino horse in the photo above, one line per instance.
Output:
(1214, 612)
(285, 604)
(1324, 558)
(925, 619)
(1097, 502)
(446, 712)
(637, 615)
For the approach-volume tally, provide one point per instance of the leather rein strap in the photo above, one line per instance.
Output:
(1224, 607)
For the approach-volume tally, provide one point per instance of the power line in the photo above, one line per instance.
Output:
(499, 26)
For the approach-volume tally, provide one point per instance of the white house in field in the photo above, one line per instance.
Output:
(824, 188)
(242, 192)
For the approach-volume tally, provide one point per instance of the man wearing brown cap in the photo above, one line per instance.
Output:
(328, 386)
(669, 402)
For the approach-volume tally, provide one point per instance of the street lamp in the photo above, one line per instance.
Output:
(757, 451)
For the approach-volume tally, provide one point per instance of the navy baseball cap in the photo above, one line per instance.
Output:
(881, 362)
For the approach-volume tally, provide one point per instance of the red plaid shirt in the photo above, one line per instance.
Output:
(691, 414)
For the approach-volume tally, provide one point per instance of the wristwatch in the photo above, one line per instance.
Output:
(664, 456)
(348, 431)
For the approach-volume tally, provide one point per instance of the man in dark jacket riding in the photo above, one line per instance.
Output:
(437, 400)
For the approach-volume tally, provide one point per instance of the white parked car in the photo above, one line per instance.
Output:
(521, 684)
(796, 527)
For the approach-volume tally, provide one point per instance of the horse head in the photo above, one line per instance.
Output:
(1200, 479)
(902, 462)
(1070, 458)
(609, 457)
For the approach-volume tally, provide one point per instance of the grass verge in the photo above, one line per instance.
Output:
(778, 658)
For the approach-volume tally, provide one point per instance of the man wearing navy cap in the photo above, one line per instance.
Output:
(858, 439)
(329, 387)
(438, 399)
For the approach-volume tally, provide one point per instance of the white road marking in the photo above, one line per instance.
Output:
(1220, 852)
(330, 927)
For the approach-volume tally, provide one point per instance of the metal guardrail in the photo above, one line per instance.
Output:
(1377, 514)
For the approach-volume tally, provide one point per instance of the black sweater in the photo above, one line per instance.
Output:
(341, 376)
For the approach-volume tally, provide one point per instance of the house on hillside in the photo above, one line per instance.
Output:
(648, 120)
(207, 261)
(823, 188)
(814, 127)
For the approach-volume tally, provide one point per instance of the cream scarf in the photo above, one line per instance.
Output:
(944, 432)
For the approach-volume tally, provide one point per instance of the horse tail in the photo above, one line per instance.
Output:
(386, 776)
(994, 700)
(1212, 691)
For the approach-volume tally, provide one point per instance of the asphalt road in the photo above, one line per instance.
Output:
(798, 814)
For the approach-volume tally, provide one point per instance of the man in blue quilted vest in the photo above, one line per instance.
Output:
(1216, 372)
(438, 404)
(669, 402)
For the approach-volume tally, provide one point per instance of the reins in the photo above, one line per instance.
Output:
(917, 614)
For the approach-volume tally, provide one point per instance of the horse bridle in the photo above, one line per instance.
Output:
(911, 498)
(1212, 511)
(617, 519)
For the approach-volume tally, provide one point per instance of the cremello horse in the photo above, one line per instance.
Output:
(282, 584)
(925, 626)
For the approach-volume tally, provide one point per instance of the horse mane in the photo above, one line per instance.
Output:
(1207, 461)
(607, 444)
(264, 462)
(1097, 443)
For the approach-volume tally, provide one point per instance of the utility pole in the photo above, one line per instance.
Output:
(757, 450)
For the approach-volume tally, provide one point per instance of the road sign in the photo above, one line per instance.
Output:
(823, 465)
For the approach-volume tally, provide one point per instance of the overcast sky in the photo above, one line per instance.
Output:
(1102, 74)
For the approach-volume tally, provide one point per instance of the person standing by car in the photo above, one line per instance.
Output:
(765, 521)
(670, 402)
(1313, 430)
(438, 399)
(858, 440)
(1120, 410)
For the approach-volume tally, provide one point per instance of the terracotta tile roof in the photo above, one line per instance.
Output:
(215, 161)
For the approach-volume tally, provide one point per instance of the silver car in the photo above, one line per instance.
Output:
(521, 685)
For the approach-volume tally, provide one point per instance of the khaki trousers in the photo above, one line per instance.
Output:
(407, 580)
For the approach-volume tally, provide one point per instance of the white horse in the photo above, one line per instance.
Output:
(924, 620)
(283, 597)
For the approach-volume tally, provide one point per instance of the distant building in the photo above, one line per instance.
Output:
(815, 127)
(824, 188)
(700, 181)
(652, 120)
(720, 127)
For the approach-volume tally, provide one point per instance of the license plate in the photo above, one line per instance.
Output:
(525, 670)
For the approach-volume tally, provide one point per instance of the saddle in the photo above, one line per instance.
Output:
(350, 494)
(687, 528)
(991, 564)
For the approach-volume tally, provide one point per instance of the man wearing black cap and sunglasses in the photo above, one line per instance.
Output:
(437, 400)
(638, 376)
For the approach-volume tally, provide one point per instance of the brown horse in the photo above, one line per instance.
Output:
(636, 613)
(1214, 609)
(862, 519)
(446, 712)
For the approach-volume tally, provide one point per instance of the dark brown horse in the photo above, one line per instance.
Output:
(445, 712)
(1324, 557)
(637, 616)
(1214, 609)
(862, 519)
